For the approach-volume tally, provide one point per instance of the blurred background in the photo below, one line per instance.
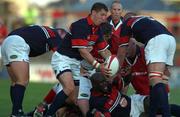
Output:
(61, 13)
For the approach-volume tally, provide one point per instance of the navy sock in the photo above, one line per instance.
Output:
(175, 110)
(57, 103)
(11, 94)
(159, 100)
(18, 95)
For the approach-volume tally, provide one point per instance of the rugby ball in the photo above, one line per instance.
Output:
(112, 63)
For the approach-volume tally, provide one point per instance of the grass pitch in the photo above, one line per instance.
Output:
(34, 94)
(36, 91)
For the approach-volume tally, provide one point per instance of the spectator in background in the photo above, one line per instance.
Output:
(3, 34)
(56, 15)
(31, 15)
(3, 31)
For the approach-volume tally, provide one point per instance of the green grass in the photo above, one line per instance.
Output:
(36, 91)
(34, 94)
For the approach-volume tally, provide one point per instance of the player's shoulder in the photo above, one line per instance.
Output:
(80, 22)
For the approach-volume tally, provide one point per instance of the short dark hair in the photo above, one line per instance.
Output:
(98, 6)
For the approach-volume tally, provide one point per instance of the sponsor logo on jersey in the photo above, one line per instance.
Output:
(13, 56)
(91, 43)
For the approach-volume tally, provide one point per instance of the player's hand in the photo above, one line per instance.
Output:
(105, 71)
(98, 114)
(84, 72)
(124, 71)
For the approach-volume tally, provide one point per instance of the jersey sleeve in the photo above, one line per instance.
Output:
(125, 34)
(79, 36)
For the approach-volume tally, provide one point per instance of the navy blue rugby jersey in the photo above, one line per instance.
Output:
(66, 49)
(85, 33)
(40, 39)
(142, 28)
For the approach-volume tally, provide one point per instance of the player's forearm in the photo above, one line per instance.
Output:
(125, 90)
(86, 55)
(121, 54)
(105, 54)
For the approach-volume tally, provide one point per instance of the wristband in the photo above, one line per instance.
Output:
(96, 64)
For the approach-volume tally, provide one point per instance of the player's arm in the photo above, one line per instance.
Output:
(79, 41)
(125, 90)
(90, 59)
(126, 81)
(121, 53)
(126, 76)
(105, 54)
(125, 35)
(87, 56)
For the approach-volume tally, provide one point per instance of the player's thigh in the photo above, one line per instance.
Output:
(62, 68)
(20, 71)
(159, 67)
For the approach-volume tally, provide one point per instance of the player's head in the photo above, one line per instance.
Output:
(128, 15)
(99, 13)
(116, 10)
(99, 83)
(106, 30)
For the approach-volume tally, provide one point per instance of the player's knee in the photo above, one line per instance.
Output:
(155, 77)
(22, 82)
(165, 79)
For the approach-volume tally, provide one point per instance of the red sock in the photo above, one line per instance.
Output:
(167, 88)
(50, 96)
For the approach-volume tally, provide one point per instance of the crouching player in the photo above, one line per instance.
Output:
(107, 100)
(134, 70)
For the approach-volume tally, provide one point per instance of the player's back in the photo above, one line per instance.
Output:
(38, 38)
(144, 28)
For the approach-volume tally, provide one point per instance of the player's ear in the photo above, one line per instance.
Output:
(93, 12)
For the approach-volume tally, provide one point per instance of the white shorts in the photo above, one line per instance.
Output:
(61, 63)
(137, 105)
(84, 89)
(14, 48)
(160, 49)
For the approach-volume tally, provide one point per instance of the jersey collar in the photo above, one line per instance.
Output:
(89, 20)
